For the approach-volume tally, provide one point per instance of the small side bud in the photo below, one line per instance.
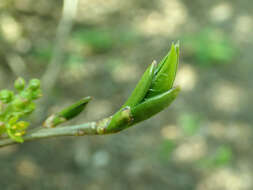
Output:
(19, 84)
(6, 96)
(53, 121)
(67, 113)
(36, 94)
(20, 103)
(75, 109)
(34, 84)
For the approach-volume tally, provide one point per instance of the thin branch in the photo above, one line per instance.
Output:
(63, 32)
(43, 133)
(100, 127)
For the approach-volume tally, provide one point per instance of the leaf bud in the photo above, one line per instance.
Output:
(6, 96)
(19, 84)
(34, 84)
(20, 103)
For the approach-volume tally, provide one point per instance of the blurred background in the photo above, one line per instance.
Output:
(202, 141)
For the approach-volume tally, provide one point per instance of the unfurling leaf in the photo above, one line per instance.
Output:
(142, 87)
(165, 73)
(153, 105)
(152, 94)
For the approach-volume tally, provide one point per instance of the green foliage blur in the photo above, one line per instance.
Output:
(86, 42)
(221, 157)
(190, 123)
(210, 46)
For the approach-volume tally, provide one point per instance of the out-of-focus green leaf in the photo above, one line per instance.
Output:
(190, 123)
(210, 46)
(222, 156)
(166, 149)
(98, 40)
(103, 39)
(43, 53)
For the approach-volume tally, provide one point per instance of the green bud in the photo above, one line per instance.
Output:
(20, 103)
(31, 94)
(67, 113)
(122, 117)
(34, 84)
(6, 96)
(75, 109)
(19, 84)
(53, 120)
(29, 108)
(152, 94)
(27, 94)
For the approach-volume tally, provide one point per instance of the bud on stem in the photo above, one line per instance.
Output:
(67, 113)
(152, 94)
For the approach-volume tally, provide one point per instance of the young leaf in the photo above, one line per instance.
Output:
(142, 87)
(152, 106)
(165, 73)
